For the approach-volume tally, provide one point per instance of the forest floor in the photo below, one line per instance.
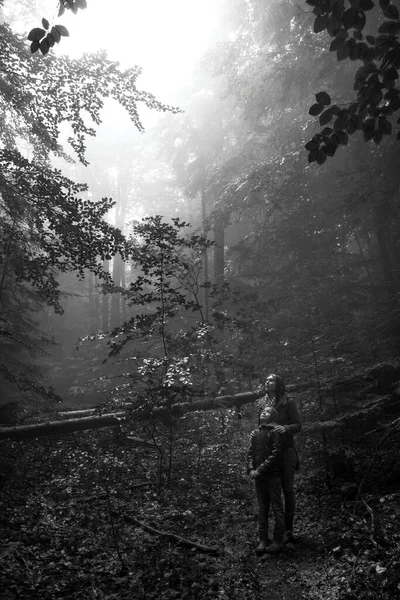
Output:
(67, 531)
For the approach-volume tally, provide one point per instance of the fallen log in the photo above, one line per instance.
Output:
(171, 536)
(23, 432)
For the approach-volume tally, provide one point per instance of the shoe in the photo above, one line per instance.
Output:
(274, 548)
(289, 538)
(264, 542)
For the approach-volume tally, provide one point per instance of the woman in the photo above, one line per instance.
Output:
(289, 422)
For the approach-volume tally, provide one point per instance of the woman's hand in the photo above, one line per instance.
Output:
(280, 429)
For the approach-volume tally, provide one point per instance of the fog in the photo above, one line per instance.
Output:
(211, 130)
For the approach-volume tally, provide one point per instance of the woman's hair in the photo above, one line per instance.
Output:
(280, 385)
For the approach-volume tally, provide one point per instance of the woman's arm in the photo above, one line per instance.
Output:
(293, 424)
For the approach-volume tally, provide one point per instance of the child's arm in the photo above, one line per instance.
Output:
(269, 464)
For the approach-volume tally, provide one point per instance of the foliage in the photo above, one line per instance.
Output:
(40, 96)
(359, 34)
(65, 506)
(44, 41)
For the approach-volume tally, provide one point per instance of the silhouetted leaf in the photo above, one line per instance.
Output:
(384, 126)
(316, 109)
(342, 137)
(366, 4)
(377, 137)
(50, 39)
(387, 27)
(63, 31)
(323, 98)
(311, 146)
(34, 46)
(44, 46)
(313, 156)
(56, 35)
(326, 117)
(36, 34)
(342, 52)
(45, 24)
(348, 17)
(320, 23)
(392, 12)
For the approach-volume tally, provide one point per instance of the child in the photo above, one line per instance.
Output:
(264, 463)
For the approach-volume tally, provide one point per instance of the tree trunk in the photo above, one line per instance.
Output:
(116, 296)
(106, 301)
(219, 254)
(114, 420)
(205, 258)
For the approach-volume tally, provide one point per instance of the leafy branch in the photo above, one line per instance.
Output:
(377, 99)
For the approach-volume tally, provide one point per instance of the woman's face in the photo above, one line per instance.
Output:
(270, 383)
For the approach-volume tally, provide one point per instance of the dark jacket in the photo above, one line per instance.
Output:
(265, 451)
(288, 416)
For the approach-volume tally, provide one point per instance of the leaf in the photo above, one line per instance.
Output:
(320, 23)
(329, 149)
(50, 39)
(312, 156)
(339, 124)
(82, 4)
(323, 98)
(63, 31)
(311, 146)
(55, 34)
(384, 4)
(326, 117)
(327, 131)
(366, 4)
(369, 128)
(316, 109)
(357, 35)
(398, 136)
(61, 10)
(342, 137)
(36, 34)
(34, 46)
(386, 27)
(343, 52)
(377, 137)
(359, 20)
(392, 12)
(384, 126)
(335, 43)
(371, 40)
(44, 46)
(45, 23)
(321, 157)
(348, 17)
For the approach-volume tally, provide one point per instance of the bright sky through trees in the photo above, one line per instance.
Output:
(165, 38)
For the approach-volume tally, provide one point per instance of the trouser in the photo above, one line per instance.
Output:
(289, 466)
(269, 495)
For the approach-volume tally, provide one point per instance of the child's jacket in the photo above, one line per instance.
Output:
(265, 451)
